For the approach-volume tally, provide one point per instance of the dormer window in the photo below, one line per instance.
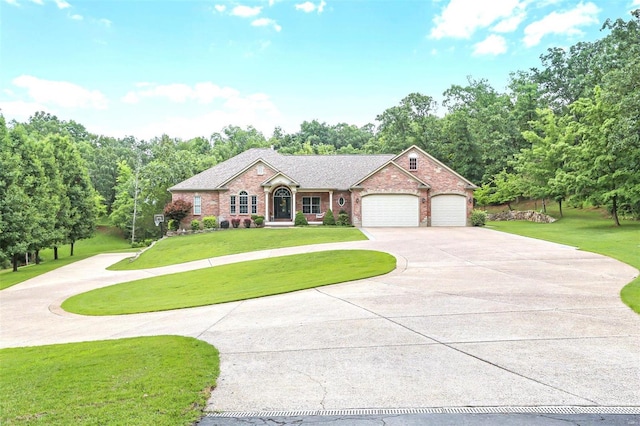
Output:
(413, 162)
(260, 169)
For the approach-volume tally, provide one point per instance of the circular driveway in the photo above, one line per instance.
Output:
(471, 317)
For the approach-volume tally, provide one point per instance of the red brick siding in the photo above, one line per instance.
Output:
(209, 203)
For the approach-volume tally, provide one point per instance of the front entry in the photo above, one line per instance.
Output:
(282, 204)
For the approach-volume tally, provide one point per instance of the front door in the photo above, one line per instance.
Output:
(282, 204)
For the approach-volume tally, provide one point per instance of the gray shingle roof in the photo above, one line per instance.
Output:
(310, 171)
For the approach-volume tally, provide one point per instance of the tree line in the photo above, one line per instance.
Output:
(566, 131)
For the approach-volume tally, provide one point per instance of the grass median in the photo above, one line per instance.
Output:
(589, 230)
(180, 249)
(228, 283)
(163, 380)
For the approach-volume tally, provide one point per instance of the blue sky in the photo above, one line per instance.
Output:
(189, 68)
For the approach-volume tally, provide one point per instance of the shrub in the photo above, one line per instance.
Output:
(259, 221)
(173, 225)
(247, 223)
(195, 225)
(177, 210)
(209, 222)
(478, 217)
(235, 222)
(343, 219)
(148, 242)
(224, 224)
(301, 220)
(329, 219)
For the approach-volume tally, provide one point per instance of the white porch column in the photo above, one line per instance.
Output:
(267, 218)
(331, 200)
(293, 203)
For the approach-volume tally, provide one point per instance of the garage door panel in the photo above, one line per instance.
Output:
(390, 210)
(449, 210)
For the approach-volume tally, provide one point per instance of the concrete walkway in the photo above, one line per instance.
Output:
(471, 317)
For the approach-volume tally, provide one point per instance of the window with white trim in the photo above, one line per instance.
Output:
(233, 204)
(260, 169)
(341, 201)
(197, 205)
(254, 204)
(413, 162)
(244, 202)
(310, 205)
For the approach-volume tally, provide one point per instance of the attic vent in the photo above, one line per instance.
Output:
(260, 170)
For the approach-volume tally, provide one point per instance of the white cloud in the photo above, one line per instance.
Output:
(76, 17)
(40, 2)
(265, 22)
(20, 110)
(308, 7)
(635, 3)
(60, 93)
(62, 4)
(563, 23)
(492, 45)
(246, 11)
(461, 18)
(220, 7)
(204, 93)
(12, 2)
(509, 24)
(107, 23)
(255, 110)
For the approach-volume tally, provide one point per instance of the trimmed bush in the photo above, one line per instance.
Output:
(329, 219)
(247, 223)
(195, 225)
(235, 222)
(209, 222)
(259, 221)
(301, 220)
(478, 217)
(343, 219)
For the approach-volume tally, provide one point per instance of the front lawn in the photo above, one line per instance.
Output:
(228, 283)
(106, 239)
(180, 249)
(164, 380)
(590, 230)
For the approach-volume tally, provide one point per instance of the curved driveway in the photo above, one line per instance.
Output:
(471, 317)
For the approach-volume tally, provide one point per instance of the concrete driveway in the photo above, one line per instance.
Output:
(471, 317)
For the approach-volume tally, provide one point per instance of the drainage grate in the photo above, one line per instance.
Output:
(434, 410)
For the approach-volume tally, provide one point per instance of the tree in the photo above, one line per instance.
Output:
(15, 204)
(82, 204)
(177, 210)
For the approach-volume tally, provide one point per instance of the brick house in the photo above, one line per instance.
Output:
(409, 189)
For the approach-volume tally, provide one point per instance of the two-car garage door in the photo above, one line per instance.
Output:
(404, 210)
(390, 210)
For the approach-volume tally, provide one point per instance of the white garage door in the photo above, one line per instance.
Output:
(390, 210)
(449, 210)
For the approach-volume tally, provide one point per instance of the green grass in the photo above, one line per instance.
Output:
(106, 239)
(162, 380)
(232, 282)
(589, 230)
(174, 250)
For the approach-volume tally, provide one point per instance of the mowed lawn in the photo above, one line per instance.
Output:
(228, 283)
(180, 249)
(163, 380)
(589, 230)
(106, 239)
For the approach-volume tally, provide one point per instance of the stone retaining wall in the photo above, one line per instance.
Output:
(529, 215)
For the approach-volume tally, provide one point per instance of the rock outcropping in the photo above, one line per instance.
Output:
(529, 215)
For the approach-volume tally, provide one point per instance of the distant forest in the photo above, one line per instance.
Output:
(567, 131)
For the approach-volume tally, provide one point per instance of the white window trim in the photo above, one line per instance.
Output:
(197, 205)
(232, 206)
(244, 206)
(309, 205)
